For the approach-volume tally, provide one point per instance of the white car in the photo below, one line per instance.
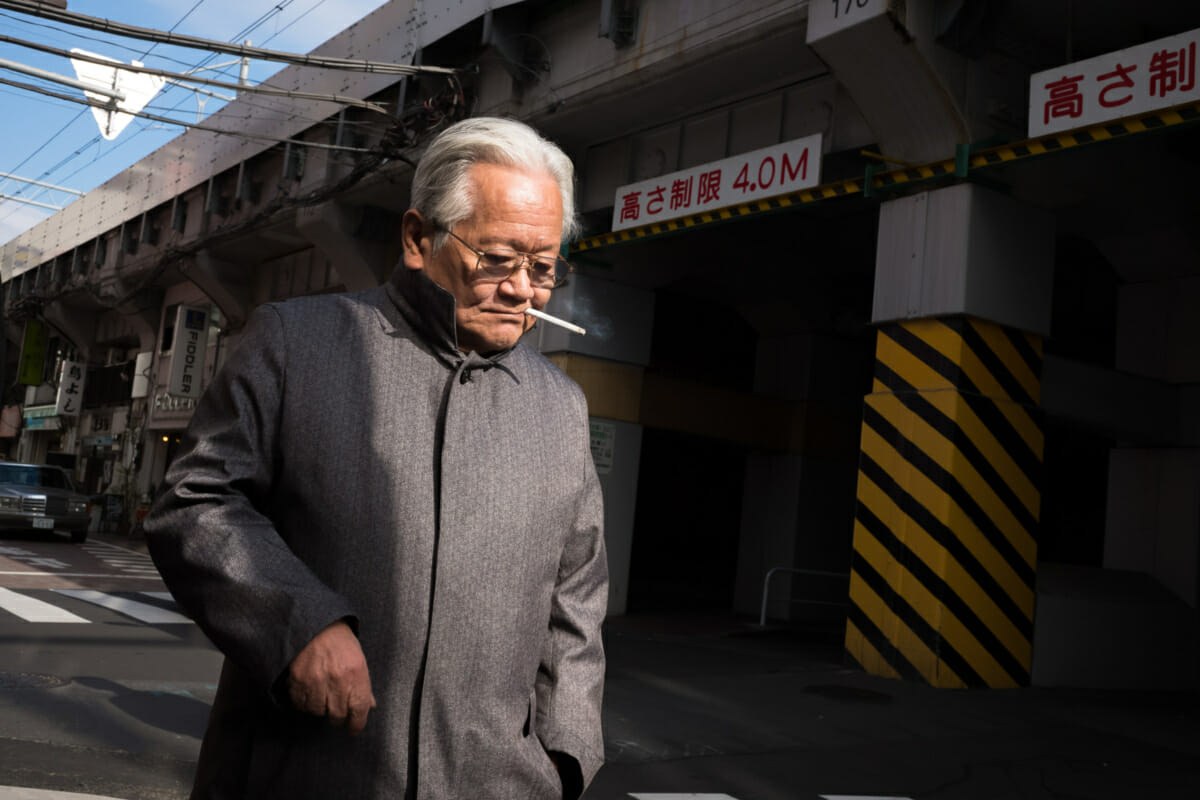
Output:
(42, 497)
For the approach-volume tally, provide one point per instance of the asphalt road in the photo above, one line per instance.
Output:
(104, 687)
(111, 700)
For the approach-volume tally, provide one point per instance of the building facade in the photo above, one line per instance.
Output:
(889, 301)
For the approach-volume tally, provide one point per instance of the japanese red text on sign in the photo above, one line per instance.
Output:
(1140, 79)
(768, 172)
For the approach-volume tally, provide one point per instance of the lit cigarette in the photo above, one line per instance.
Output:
(562, 323)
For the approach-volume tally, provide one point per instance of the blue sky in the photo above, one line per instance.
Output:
(58, 142)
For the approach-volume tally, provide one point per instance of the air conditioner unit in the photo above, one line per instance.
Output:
(141, 375)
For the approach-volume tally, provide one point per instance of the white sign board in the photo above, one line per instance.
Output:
(1136, 80)
(604, 438)
(768, 172)
(830, 16)
(188, 352)
(70, 388)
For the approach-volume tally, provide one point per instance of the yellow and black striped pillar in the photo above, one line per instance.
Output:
(945, 529)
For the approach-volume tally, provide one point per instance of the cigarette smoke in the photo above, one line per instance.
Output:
(581, 311)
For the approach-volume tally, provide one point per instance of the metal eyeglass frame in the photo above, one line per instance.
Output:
(527, 261)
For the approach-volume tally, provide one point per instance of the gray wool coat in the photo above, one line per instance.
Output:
(349, 462)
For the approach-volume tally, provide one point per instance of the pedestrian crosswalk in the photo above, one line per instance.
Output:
(121, 558)
(71, 606)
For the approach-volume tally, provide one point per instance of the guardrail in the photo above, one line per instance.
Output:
(762, 617)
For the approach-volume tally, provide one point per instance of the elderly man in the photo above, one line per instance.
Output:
(386, 515)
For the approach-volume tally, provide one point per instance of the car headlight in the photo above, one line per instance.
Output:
(77, 506)
(10, 502)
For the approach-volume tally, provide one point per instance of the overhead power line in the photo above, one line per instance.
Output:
(190, 78)
(112, 94)
(209, 128)
(12, 177)
(30, 202)
(45, 11)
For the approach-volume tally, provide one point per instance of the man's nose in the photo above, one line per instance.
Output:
(518, 283)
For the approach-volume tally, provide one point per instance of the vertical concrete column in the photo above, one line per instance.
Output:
(943, 577)
(608, 363)
(945, 548)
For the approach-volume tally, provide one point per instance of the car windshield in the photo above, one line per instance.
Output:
(34, 476)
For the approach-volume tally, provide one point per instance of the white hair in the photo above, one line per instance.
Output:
(442, 192)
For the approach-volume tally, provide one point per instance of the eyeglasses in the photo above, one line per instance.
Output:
(498, 264)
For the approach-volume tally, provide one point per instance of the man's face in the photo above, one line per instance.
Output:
(514, 209)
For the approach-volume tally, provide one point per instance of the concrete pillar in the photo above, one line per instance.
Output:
(942, 586)
(608, 363)
(794, 503)
(1153, 522)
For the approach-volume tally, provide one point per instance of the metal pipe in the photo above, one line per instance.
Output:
(762, 617)
(39, 183)
(54, 76)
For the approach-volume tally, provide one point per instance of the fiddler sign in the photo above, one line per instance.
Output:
(768, 172)
(1148, 77)
(188, 352)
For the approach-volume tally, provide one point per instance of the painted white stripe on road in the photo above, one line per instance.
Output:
(33, 610)
(159, 595)
(677, 796)
(23, 793)
(142, 612)
(82, 575)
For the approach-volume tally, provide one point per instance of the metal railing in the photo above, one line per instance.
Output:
(762, 617)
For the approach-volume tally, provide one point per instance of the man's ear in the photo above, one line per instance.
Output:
(415, 239)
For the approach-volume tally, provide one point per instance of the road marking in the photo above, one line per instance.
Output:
(154, 577)
(143, 612)
(122, 558)
(23, 793)
(33, 610)
(677, 796)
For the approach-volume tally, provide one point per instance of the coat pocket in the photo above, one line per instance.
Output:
(551, 784)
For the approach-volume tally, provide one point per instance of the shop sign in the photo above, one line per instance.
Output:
(38, 412)
(70, 389)
(830, 16)
(1148, 77)
(604, 437)
(42, 424)
(188, 352)
(165, 401)
(779, 169)
(33, 354)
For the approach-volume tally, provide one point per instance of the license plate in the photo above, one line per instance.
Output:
(44, 524)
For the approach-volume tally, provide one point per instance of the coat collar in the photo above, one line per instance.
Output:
(430, 309)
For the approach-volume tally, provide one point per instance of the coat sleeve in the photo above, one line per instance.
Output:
(209, 531)
(570, 683)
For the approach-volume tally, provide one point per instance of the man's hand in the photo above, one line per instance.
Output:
(329, 679)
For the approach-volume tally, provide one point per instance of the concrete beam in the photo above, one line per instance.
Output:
(911, 112)
(78, 326)
(331, 228)
(1129, 408)
(213, 276)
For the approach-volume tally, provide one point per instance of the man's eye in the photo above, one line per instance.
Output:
(498, 258)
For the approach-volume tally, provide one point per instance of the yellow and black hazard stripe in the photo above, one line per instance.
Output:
(942, 586)
(892, 179)
(727, 214)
